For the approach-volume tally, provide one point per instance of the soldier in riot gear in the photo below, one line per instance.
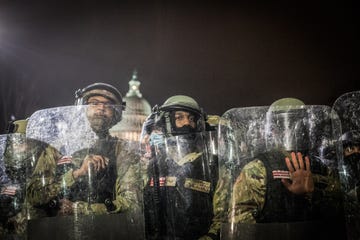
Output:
(178, 193)
(90, 181)
(278, 186)
(17, 164)
(263, 166)
(351, 148)
(351, 165)
(348, 109)
(13, 176)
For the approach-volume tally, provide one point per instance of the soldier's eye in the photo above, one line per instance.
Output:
(179, 117)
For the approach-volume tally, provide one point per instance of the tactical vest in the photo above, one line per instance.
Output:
(280, 204)
(101, 186)
(182, 196)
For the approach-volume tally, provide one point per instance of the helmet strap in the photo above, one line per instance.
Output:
(167, 123)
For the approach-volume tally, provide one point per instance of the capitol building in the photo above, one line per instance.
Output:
(136, 111)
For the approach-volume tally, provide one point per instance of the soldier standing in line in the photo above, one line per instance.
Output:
(286, 189)
(179, 190)
(348, 108)
(17, 164)
(100, 178)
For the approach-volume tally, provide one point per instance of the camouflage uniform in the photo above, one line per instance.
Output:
(178, 194)
(254, 190)
(47, 186)
(219, 205)
(17, 174)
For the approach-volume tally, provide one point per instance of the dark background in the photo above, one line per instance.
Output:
(223, 54)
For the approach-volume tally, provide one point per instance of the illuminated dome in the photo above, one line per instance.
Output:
(136, 111)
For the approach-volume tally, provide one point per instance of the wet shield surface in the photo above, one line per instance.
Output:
(348, 108)
(281, 169)
(179, 187)
(86, 183)
(16, 160)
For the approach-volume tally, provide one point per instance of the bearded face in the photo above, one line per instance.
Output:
(100, 123)
(100, 114)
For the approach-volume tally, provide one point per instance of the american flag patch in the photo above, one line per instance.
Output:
(64, 160)
(9, 190)
(162, 181)
(151, 182)
(279, 174)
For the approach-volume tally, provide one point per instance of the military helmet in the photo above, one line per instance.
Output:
(286, 104)
(105, 90)
(181, 102)
(350, 138)
(98, 89)
(164, 114)
(17, 126)
(285, 125)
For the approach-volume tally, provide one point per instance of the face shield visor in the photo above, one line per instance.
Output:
(312, 129)
(105, 164)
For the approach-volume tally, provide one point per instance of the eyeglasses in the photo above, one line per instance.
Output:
(100, 103)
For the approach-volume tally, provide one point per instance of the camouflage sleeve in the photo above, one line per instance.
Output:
(127, 186)
(129, 182)
(220, 203)
(327, 193)
(126, 190)
(248, 193)
(43, 186)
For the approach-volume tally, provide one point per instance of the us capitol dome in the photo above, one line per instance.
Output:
(136, 111)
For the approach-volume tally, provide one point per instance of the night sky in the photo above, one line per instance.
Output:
(225, 55)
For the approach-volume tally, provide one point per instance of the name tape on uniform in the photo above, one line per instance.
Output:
(197, 185)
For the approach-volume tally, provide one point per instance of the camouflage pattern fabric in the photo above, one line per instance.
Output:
(19, 221)
(45, 186)
(220, 205)
(249, 194)
(15, 226)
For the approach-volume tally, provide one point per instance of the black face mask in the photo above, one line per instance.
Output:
(185, 129)
(352, 163)
(186, 143)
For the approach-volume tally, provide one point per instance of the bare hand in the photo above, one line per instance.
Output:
(97, 162)
(301, 177)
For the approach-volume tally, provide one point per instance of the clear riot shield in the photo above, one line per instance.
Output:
(15, 162)
(86, 182)
(273, 191)
(211, 136)
(348, 108)
(179, 188)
